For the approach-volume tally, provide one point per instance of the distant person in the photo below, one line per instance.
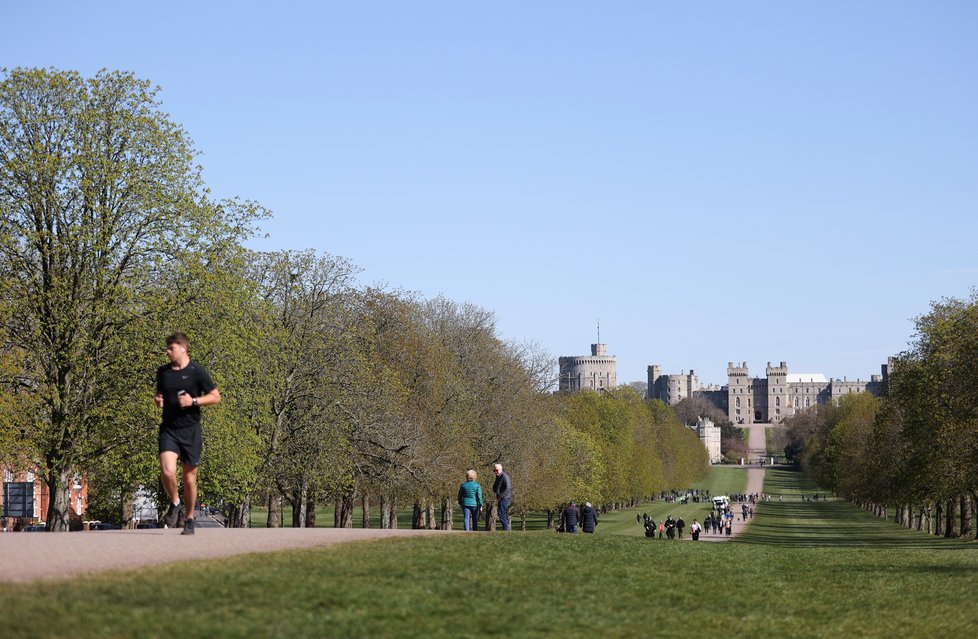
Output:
(680, 525)
(471, 501)
(182, 387)
(694, 530)
(570, 516)
(589, 518)
(662, 528)
(670, 527)
(649, 527)
(503, 489)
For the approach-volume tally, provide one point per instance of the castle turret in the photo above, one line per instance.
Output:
(777, 392)
(580, 372)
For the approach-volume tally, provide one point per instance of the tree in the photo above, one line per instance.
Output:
(99, 198)
(689, 410)
(304, 320)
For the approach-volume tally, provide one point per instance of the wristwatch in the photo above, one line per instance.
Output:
(194, 402)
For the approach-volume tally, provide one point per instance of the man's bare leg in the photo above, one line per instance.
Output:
(168, 471)
(190, 490)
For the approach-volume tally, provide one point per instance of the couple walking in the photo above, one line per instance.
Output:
(471, 500)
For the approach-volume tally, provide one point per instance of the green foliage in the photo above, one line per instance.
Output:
(918, 445)
(101, 208)
(628, 448)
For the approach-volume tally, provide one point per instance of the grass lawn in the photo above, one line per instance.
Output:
(802, 570)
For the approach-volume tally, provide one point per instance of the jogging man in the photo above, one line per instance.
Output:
(182, 387)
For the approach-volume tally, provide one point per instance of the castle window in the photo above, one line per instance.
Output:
(796, 402)
(738, 404)
(777, 402)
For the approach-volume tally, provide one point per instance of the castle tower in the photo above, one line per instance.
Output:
(580, 372)
(777, 392)
(739, 394)
(655, 373)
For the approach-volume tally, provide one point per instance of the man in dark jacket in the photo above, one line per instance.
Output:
(589, 518)
(503, 489)
(570, 517)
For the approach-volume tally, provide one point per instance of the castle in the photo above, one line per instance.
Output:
(773, 398)
(745, 399)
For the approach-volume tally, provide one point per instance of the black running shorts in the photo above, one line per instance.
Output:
(186, 442)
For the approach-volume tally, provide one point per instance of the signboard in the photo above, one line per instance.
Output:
(18, 499)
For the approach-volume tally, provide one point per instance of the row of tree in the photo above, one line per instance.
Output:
(110, 240)
(913, 453)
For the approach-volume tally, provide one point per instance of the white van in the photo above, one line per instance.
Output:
(721, 502)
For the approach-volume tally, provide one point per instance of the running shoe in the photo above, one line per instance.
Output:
(172, 514)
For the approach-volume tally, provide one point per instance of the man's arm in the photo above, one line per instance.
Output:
(213, 397)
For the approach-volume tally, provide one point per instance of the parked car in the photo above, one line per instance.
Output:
(146, 525)
(103, 526)
(41, 527)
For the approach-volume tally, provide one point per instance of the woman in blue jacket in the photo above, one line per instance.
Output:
(471, 501)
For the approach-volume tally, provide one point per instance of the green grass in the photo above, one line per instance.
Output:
(802, 570)
(722, 481)
(827, 522)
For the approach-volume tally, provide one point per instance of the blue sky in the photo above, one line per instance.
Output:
(715, 181)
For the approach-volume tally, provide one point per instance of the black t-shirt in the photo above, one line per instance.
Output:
(192, 378)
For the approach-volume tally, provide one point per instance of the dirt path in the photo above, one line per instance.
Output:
(31, 556)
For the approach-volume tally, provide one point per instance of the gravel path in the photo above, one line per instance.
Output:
(32, 556)
(757, 443)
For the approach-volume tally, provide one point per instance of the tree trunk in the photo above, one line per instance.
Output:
(550, 519)
(447, 512)
(966, 516)
(385, 512)
(239, 515)
(346, 514)
(429, 514)
(523, 520)
(949, 518)
(492, 510)
(974, 510)
(275, 509)
(337, 512)
(365, 508)
(311, 511)
(60, 500)
(392, 514)
(417, 517)
(299, 506)
(939, 519)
